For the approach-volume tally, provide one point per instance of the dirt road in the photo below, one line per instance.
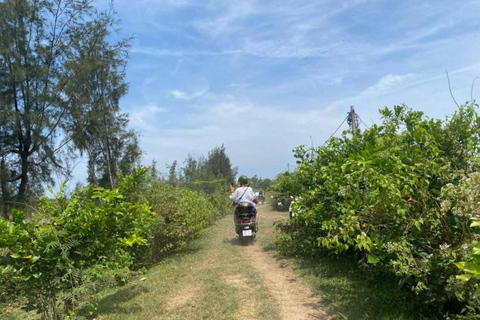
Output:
(294, 297)
(216, 277)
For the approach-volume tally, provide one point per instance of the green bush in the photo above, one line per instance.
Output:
(180, 215)
(466, 197)
(77, 244)
(74, 246)
(221, 204)
(395, 198)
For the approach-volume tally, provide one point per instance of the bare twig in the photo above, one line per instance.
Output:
(450, 89)
(471, 91)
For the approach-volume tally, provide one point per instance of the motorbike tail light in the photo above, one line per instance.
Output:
(246, 220)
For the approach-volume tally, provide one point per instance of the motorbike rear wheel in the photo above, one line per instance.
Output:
(247, 240)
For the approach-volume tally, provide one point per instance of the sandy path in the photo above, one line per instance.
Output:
(295, 298)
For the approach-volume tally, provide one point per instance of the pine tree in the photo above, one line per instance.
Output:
(60, 81)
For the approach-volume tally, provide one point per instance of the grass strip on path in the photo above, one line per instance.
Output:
(208, 280)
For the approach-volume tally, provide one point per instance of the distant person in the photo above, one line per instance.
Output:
(261, 197)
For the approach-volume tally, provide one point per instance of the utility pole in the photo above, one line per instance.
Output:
(352, 120)
(311, 150)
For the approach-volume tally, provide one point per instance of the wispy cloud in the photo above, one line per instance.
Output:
(389, 83)
(245, 129)
(145, 117)
(157, 4)
(177, 66)
(285, 30)
(185, 96)
(386, 85)
(427, 31)
(230, 19)
(281, 71)
(180, 53)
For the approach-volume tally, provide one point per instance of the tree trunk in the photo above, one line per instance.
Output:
(108, 155)
(4, 189)
(22, 189)
(92, 178)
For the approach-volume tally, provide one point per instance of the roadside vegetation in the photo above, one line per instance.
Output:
(344, 290)
(78, 244)
(198, 282)
(393, 209)
(400, 199)
(62, 70)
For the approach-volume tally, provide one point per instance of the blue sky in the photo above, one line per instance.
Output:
(262, 77)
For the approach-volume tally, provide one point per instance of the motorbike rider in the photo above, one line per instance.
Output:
(244, 194)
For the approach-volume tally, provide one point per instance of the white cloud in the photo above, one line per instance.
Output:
(383, 90)
(287, 29)
(155, 4)
(255, 136)
(177, 66)
(179, 95)
(389, 83)
(472, 69)
(185, 96)
(419, 34)
(229, 20)
(270, 63)
(145, 117)
(180, 53)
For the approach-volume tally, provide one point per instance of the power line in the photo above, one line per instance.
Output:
(337, 129)
(363, 122)
(350, 119)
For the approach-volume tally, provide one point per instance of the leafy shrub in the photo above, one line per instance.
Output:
(220, 202)
(280, 202)
(466, 199)
(395, 198)
(77, 244)
(61, 257)
(180, 215)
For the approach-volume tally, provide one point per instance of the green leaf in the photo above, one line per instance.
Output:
(476, 249)
(464, 277)
(472, 268)
(460, 265)
(372, 259)
(7, 269)
(475, 224)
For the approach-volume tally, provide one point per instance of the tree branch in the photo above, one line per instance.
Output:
(450, 89)
(471, 90)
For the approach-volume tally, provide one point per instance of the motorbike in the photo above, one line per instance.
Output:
(245, 224)
(261, 197)
(261, 200)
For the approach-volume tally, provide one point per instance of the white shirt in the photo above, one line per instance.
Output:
(247, 197)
